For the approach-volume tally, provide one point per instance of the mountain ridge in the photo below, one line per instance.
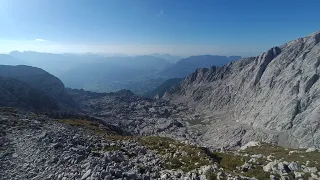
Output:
(274, 96)
(185, 66)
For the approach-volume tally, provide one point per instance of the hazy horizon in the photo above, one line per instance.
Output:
(145, 27)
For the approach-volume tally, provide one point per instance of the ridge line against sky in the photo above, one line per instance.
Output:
(191, 27)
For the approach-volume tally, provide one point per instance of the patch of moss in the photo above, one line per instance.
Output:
(258, 173)
(120, 138)
(211, 176)
(283, 153)
(178, 155)
(94, 126)
(230, 161)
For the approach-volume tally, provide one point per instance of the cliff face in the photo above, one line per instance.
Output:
(274, 97)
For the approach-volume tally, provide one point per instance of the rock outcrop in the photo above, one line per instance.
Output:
(274, 97)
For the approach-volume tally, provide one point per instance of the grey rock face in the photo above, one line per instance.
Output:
(274, 97)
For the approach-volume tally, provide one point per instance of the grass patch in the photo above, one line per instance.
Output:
(94, 126)
(120, 138)
(178, 155)
(230, 161)
(258, 173)
(283, 153)
(114, 148)
(107, 148)
(211, 176)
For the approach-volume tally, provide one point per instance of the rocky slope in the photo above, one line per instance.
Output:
(164, 87)
(35, 147)
(274, 97)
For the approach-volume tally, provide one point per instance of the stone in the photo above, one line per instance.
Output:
(298, 175)
(283, 167)
(269, 167)
(15, 155)
(245, 167)
(164, 176)
(250, 144)
(310, 169)
(86, 175)
(294, 166)
(311, 150)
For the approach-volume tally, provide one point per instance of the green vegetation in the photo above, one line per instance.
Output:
(211, 176)
(230, 161)
(278, 152)
(178, 155)
(192, 157)
(94, 126)
(258, 173)
(120, 138)
(114, 148)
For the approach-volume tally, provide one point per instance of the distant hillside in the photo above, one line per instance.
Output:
(164, 87)
(168, 57)
(186, 66)
(55, 64)
(9, 60)
(41, 80)
(15, 93)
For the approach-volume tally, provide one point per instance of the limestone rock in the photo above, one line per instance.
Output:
(272, 97)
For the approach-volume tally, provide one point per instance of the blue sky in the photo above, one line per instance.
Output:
(182, 27)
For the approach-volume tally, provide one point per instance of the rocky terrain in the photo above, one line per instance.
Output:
(274, 97)
(137, 115)
(34, 146)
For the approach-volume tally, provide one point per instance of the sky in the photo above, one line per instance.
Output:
(179, 27)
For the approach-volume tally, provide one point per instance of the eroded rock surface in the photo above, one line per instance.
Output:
(274, 97)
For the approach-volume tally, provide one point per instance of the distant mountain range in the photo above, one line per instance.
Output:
(96, 72)
(188, 65)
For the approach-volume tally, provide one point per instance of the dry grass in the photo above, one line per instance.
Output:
(283, 153)
(188, 157)
(120, 138)
(93, 126)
